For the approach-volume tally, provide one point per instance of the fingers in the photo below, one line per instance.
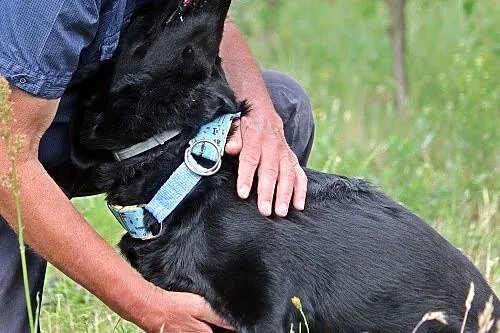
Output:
(268, 175)
(207, 315)
(234, 144)
(279, 168)
(249, 156)
(178, 312)
(300, 188)
(263, 149)
(287, 178)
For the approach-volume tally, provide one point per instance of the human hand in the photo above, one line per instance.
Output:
(260, 141)
(176, 312)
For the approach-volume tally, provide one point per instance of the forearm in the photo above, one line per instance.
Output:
(259, 140)
(51, 224)
(242, 70)
(58, 232)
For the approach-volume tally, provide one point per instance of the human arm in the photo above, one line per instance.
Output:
(58, 232)
(260, 140)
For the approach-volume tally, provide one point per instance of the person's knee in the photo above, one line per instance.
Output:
(287, 94)
(294, 107)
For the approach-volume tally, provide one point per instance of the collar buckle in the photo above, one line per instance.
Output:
(208, 148)
(132, 219)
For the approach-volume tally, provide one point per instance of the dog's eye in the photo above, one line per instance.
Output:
(139, 50)
(188, 52)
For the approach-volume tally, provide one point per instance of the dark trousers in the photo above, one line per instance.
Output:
(290, 102)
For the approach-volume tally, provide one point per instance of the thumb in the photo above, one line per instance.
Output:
(209, 316)
(234, 144)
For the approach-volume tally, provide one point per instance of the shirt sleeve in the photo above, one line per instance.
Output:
(41, 41)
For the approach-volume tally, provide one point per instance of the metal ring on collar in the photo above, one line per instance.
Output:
(195, 167)
(153, 236)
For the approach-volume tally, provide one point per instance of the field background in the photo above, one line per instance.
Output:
(440, 158)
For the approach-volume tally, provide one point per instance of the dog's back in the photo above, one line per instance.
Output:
(357, 261)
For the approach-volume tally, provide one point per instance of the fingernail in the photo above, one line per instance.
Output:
(300, 205)
(230, 147)
(243, 191)
(282, 209)
(266, 208)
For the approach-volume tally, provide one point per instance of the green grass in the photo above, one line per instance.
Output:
(441, 158)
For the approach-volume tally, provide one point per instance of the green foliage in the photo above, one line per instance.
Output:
(14, 143)
(67, 307)
(469, 6)
(441, 159)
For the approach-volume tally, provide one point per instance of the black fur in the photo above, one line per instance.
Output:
(358, 261)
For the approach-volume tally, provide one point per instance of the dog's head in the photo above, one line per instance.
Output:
(177, 44)
(166, 74)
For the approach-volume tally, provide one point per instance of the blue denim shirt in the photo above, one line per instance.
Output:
(45, 44)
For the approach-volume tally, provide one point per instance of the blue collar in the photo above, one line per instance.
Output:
(208, 144)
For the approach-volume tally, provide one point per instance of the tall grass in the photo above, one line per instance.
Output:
(441, 158)
(13, 143)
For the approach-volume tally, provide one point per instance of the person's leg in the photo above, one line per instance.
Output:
(13, 315)
(293, 106)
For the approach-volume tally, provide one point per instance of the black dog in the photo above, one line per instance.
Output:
(358, 261)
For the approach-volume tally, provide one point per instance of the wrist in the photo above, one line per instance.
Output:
(133, 299)
(266, 117)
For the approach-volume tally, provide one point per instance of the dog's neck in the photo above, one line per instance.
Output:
(203, 158)
(136, 179)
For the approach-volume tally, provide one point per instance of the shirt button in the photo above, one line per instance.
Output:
(22, 80)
